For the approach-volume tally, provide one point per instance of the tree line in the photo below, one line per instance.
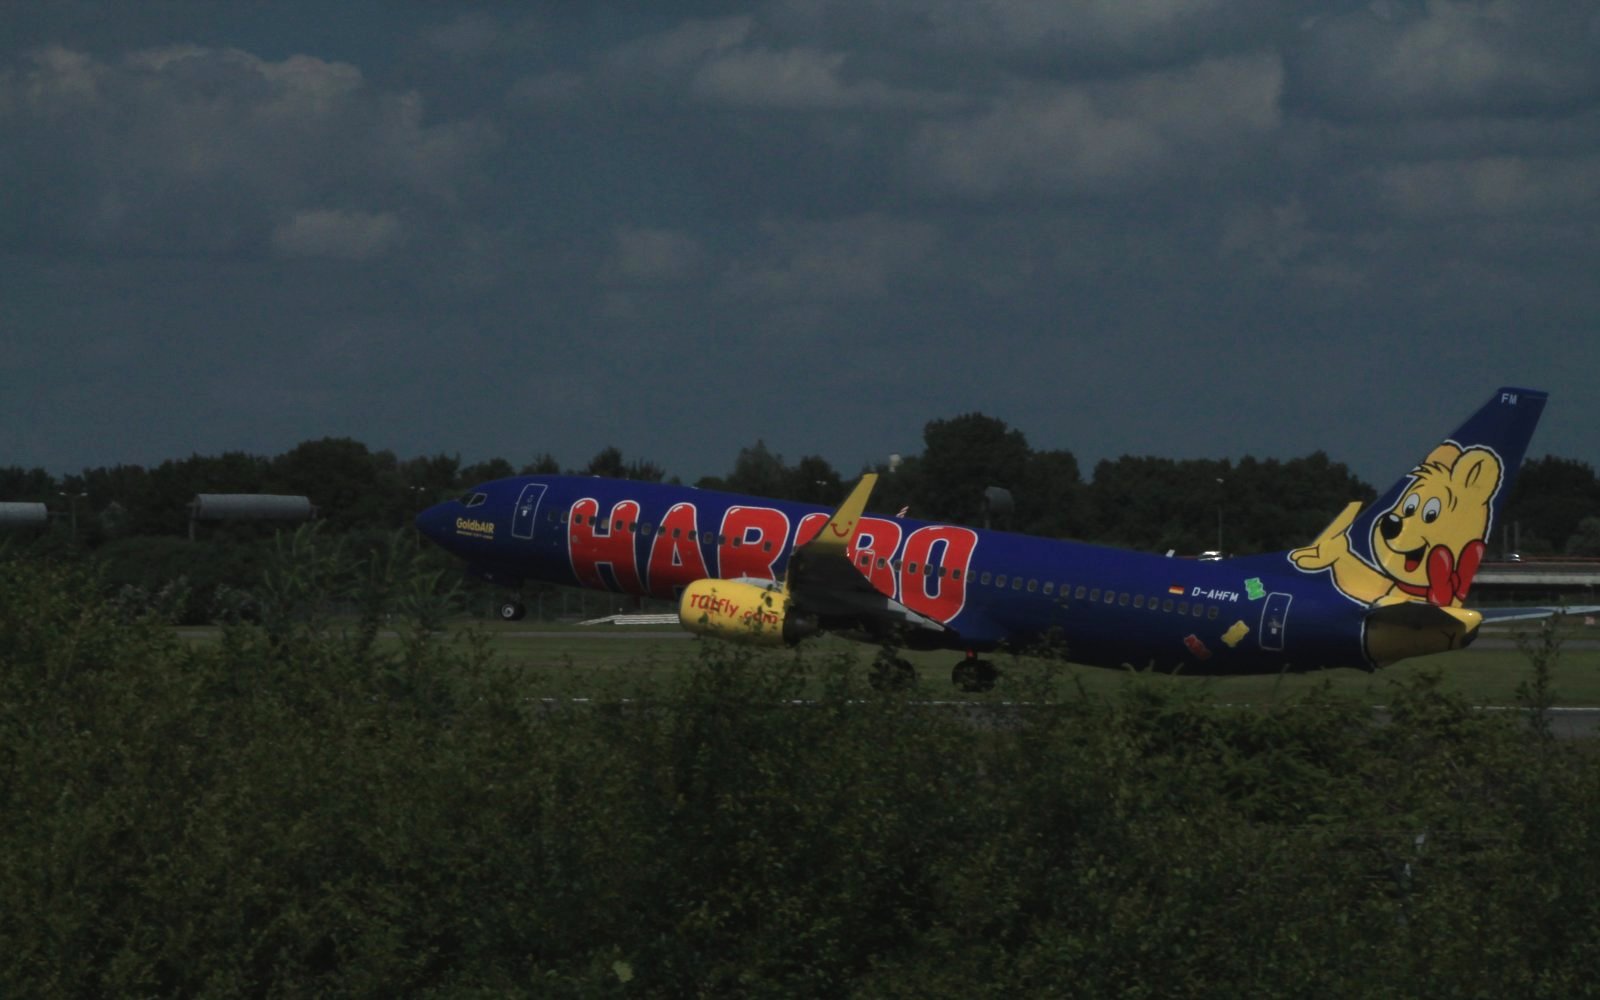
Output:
(136, 519)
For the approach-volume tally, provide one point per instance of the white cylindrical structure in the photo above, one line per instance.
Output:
(250, 507)
(23, 515)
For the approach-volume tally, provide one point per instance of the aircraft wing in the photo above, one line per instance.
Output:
(822, 580)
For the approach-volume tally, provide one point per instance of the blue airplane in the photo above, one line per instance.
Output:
(1383, 582)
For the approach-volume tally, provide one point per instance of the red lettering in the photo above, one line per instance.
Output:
(810, 526)
(591, 545)
(753, 541)
(876, 538)
(942, 592)
(675, 559)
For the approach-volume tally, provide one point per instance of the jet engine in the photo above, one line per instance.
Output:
(757, 613)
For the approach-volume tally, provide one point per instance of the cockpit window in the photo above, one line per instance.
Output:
(473, 499)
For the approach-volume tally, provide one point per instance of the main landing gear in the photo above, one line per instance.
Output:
(974, 674)
(891, 672)
(512, 611)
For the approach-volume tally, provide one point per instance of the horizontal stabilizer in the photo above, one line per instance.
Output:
(1397, 631)
(1495, 616)
(633, 620)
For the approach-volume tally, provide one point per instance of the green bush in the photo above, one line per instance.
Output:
(314, 807)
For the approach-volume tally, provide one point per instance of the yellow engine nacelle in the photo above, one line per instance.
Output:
(744, 612)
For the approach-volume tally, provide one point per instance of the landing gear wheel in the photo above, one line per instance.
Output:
(973, 674)
(892, 673)
(513, 611)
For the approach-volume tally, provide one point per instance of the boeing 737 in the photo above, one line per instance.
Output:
(1385, 581)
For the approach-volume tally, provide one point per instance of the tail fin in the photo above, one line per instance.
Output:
(1424, 537)
(1477, 462)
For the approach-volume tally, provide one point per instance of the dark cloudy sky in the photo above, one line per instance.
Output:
(1176, 227)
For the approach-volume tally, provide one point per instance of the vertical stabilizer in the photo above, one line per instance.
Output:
(1424, 537)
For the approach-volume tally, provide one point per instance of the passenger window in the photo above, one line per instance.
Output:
(883, 563)
(1033, 585)
(927, 570)
(1166, 605)
(955, 574)
(677, 532)
(1211, 612)
(1199, 609)
(1049, 588)
(1078, 594)
(1110, 596)
(1122, 599)
(1016, 583)
(1094, 595)
(985, 578)
(1000, 581)
(1138, 600)
(912, 567)
(1183, 607)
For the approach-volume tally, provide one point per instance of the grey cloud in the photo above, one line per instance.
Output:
(857, 258)
(1448, 57)
(651, 256)
(728, 62)
(1025, 23)
(680, 50)
(1101, 138)
(195, 150)
(556, 88)
(336, 233)
(798, 78)
(1493, 187)
(968, 39)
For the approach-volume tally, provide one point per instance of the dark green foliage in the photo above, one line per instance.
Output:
(321, 806)
(609, 463)
(1255, 506)
(760, 472)
(1551, 498)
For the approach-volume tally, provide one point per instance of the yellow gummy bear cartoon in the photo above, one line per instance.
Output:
(1428, 545)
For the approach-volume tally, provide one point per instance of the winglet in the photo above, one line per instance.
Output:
(836, 535)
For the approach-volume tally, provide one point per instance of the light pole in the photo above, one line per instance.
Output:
(1220, 495)
(418, 498)
(72, 508)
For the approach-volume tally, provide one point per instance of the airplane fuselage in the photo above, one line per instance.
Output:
(987, 589)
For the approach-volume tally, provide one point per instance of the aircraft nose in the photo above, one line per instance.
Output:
(433, 521)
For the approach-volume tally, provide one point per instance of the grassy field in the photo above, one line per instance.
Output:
(601, 661)
(594, 660)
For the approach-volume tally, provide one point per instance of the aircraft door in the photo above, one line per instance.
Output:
(1274, 619)
(523, 518)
